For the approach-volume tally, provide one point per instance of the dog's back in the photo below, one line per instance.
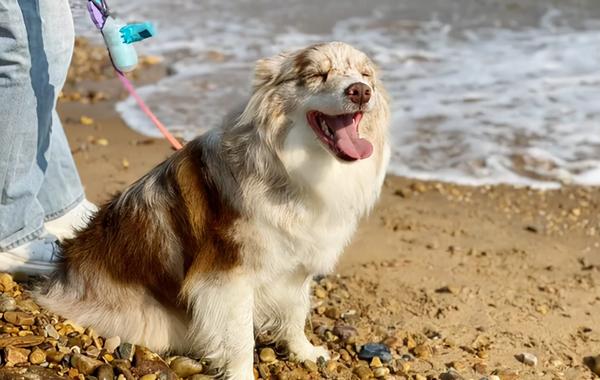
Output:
(123, 274)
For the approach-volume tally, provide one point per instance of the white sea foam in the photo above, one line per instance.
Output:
(473, 102)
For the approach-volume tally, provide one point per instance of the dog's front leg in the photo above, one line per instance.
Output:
(283, 307)
(222, 324)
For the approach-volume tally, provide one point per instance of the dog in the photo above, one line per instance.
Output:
(222, 239)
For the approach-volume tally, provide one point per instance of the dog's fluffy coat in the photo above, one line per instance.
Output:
(221, 240)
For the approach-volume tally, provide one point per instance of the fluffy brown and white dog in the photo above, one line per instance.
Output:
(221, 240)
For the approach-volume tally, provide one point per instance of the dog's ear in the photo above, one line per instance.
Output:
(267, 70)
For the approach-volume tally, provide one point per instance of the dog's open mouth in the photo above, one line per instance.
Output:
(340, 134)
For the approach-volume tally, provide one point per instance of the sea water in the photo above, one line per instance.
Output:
(488, 91)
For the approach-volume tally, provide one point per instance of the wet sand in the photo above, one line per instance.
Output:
(456, 281)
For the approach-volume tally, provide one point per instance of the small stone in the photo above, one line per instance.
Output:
(267, 355)
(51, 331)
(400, 367)
(331, 366)
(528, 359)
(422, 351)
(74, 326)
(73, 373)
(147, 362)
(345, 355)
(29, 373)
(102, 141)
(363, 372)
(92, 351)
(122, 367)
(152, 59)
(594, 364)
(105, 372)
(346, 333)
(493, 377)
(449, 289)
(6, 282)
(370, 350)
(480, 368)
(381, 372)
(111, 344)
(310, 366)
(376, 362)
(185, 367)
(531, 228)
(19, 318)
(199, 377)
(263, 371)
(28, 305)
(21, 341)
(333, 313)
(126, 351)
(320, 293)
(15, 355)
(451, 375)
(86, 120)
(420, 377)
(557, 363)
(151, 376)
(37, 356)
(483, 354)
(410, 343)
(459, 366)
(54, 356)
(85, 365)
(7, 303)
(351, 316)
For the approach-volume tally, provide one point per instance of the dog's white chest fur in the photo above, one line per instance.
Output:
(313, 232)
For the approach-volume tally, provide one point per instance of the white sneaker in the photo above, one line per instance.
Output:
(65, 226)
(35, 257)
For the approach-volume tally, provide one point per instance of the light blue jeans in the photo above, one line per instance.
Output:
(38, 178)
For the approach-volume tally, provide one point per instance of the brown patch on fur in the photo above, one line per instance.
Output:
(169, 223)
(210, 219)
(302, 61)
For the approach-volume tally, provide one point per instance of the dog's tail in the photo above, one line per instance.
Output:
(113, 309)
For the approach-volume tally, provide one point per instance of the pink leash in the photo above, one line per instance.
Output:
(144, 107)
(99, 14)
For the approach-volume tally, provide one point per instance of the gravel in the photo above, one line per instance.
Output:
(35, 342)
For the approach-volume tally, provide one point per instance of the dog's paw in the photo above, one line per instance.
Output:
(312, 353)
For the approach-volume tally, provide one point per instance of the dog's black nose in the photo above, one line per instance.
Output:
(359, 93)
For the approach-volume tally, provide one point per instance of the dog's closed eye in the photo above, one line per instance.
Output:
(318, 75)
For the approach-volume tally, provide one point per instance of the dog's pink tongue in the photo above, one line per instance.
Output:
(345, 129)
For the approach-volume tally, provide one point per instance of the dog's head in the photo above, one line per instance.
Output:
(326, 96)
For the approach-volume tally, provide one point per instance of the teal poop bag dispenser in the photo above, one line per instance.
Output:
(119, 38)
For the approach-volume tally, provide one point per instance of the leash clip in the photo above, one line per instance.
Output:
(99, 12)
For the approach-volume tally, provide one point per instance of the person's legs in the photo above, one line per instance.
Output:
(61, 189)
(24, 136)
(38, 179)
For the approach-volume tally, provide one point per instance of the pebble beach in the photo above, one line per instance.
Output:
(441, 282)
